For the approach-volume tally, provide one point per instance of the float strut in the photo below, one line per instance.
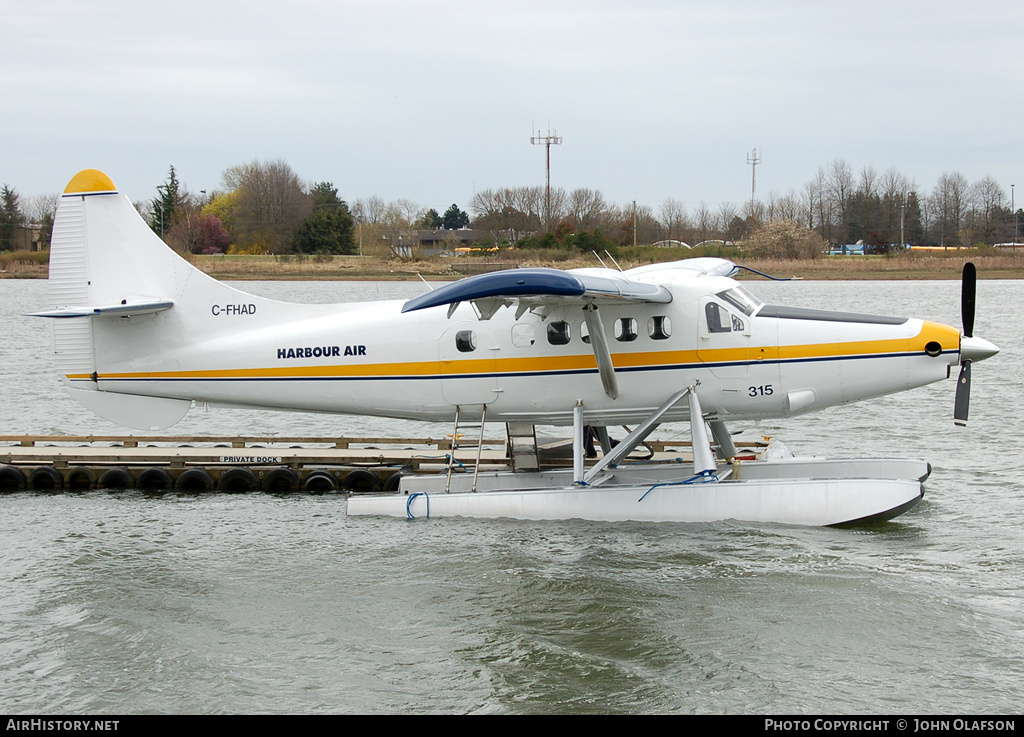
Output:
(636, 437)
(578, 451)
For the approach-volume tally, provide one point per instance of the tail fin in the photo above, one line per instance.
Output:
(126, 304)
(104, 260)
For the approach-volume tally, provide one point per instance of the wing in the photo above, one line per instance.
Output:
(539, 287)
(543, 290)
(547, 289)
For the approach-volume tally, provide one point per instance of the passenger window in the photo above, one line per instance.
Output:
(523, 335)
(737, 324)
(465, 341)
(558, 333)
(659, 327)
(625, 329)
(717, 318)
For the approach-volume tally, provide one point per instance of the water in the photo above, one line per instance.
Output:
(127, 603)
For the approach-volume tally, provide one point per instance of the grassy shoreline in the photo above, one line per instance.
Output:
(940, 265)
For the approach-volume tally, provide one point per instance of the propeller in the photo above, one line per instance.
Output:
(968, 293)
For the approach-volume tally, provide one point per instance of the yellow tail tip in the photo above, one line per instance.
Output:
(90, 180)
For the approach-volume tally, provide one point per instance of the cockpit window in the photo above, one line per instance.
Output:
(741, 299)
(718, 318)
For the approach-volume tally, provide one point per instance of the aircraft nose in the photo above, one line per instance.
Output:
(976, 349)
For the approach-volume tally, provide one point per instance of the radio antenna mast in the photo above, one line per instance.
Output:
(753, 159)
(550, 138)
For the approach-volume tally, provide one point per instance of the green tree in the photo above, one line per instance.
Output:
(431, 219)
(454, 218)
(11, 218)
(328, 229)
(587, 241)
(166, 205)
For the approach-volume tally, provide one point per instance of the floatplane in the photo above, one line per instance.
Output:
(141, 335)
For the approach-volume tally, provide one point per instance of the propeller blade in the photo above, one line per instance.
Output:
(968, 292)
(963, 395)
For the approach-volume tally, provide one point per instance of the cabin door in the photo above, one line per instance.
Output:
(723, 342)
(467, 364)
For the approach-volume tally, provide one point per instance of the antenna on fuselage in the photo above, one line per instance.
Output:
(768, 276)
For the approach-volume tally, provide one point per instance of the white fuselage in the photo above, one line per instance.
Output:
(373, 359)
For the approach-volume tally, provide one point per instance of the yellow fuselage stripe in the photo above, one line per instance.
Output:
(947, 337)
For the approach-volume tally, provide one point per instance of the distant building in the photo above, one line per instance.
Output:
(439, 242)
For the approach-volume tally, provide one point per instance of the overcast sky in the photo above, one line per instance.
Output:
(432, 101)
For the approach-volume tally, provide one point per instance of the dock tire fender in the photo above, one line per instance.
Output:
(393, 482)
(281, 481)
(238, 480)
(361, 481)
(12, 478)
(194, 481)
(117, 477)
(79, 478)
(320, 482)
(45, 478)
(154, 479)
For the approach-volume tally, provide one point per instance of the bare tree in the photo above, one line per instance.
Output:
(948, 206)
(408, 210)
(896, 190)
(986, 205)
(371, 211)
(646, 224)
(271, 204)
(785, 207)
(586, 208)
(868, 181)
(818, 204)
(733, 226)
(704, 220)
(673, 218)
(839, 187)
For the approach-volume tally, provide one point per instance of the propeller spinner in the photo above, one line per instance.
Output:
(971, 348)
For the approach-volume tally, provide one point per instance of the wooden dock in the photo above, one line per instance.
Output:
(195, 464)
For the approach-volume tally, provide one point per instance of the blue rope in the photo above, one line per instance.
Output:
(408, 504)
(704, 477)
(456, 461)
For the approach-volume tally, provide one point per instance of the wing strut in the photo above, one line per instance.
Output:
(599, 342)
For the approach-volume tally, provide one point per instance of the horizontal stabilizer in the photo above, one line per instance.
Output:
(551, 285)
(121, 310)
